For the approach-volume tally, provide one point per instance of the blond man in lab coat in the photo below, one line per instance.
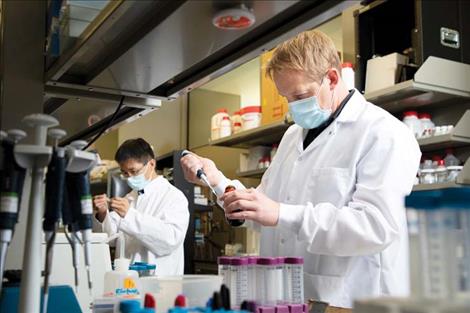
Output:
(334, 192)
(153, 217)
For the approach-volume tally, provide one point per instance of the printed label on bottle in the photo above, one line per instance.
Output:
(87, 205)
(9, 202)
(128, 290)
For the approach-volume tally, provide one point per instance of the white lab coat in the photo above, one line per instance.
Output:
(154, 227)
(342, 204)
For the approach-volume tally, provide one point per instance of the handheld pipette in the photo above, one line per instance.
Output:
(78, 184)
(55, 185)
(200, 174)
(11, 187)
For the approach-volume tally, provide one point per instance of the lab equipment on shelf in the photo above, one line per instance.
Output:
(216, 121)
(251, 117)
(225, 128)
(347, 74)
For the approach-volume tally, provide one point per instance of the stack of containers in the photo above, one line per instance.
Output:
(293, 280)
(270, 281)
(224, 269)
(442, 219)
(238, 280)
(252, 286)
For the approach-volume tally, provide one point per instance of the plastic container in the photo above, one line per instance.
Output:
(438, 238)
(144, 269)
(251, 117)
(427, 124)
(129, 306)
(236, 118)
(280, 280)
(266, 281)
(238, 280)
(441, 172)
(122, 282)
(411, 120)
(415, 260)
(252, 286)
(427, 176)
(196, 288)
(294, 280)
(347, 73)
(215, 123)
(450, 159)
(237, 127)
(225, 129)
(224, 269)
(453, 172)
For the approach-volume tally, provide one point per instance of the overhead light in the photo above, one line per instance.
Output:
(234, 18)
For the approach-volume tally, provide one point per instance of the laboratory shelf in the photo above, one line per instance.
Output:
(258, 173)
(437, 82)
(460, 136)
(264, 135)
(421, 187)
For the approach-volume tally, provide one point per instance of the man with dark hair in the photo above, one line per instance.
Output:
(154, 217)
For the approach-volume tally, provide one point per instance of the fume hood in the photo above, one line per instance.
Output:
(153, 51)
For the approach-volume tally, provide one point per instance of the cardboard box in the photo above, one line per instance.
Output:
(273, 106)
(383, 72)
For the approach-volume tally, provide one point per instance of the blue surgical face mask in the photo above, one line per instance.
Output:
(138, 182)
(307, 113)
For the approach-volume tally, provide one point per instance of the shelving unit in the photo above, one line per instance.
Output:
(460, 136)
(462, 179)
(261, 136)
(258, 173)
(437, 82)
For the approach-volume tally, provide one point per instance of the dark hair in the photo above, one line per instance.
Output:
(137, 149)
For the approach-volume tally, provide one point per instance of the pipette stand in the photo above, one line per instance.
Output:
(34, 157)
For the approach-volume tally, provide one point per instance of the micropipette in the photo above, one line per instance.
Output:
(55, 182)
(200, 174)
(11, 187)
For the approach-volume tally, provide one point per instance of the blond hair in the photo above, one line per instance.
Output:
(311, 52)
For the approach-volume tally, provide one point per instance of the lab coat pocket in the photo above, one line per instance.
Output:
(330, 184)
(330, 289)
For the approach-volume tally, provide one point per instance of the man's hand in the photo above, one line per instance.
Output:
(254, 206)
(120, 206)
(100, 202)
(192, 162)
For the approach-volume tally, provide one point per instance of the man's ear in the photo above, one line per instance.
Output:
(333, 76)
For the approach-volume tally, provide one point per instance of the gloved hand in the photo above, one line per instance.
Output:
(100, 202)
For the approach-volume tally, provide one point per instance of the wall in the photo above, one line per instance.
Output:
(164, 129)
(202, 105)
(242, 81)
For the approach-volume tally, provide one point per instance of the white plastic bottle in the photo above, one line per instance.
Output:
(215, 123)
(411, 120)
(450, 159)
(225, 129)
(427, 124)
(122, 282)
(347, 73)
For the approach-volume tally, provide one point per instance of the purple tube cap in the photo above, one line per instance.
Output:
(252, 259)
(296, 308)
(223, 260)
(238, 261)
(265, 309)
(282, 309)
(267, 261)
(294, 260)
